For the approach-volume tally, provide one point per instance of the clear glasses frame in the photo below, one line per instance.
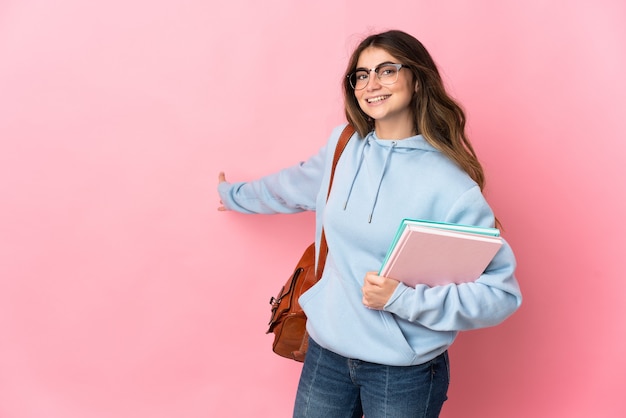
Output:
(387, 74)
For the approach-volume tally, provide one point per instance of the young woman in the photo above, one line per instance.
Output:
(378, 347)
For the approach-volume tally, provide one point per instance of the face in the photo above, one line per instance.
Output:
(388, 105)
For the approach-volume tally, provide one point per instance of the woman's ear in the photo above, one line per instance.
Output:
(416, 86)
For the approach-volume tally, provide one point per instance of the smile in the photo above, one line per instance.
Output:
(378, 99)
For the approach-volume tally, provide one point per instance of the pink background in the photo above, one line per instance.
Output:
(124, 293)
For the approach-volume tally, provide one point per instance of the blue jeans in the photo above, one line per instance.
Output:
(332, 386)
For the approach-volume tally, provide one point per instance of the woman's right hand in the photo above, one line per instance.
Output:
(221, 178)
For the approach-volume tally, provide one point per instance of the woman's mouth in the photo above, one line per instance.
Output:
(378, 99)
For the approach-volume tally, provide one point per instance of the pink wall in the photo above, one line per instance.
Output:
(124, 293)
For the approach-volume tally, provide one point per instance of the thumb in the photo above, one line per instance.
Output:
(221, 177)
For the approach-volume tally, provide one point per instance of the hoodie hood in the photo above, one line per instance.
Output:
(386, 148)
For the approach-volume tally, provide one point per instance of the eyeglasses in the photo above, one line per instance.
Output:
(387, 74)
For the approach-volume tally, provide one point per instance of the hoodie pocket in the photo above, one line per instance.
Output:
(312, 291)
(396, 336)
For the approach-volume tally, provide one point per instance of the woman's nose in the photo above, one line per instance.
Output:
(373, 81)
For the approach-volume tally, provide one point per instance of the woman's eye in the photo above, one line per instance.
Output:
(387, 71)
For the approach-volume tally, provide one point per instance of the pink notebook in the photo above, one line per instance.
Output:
(432, 256)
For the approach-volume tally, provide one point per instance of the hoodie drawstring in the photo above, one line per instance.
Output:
(380, 180)
(358, 168)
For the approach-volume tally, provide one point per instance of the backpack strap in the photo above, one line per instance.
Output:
(347, 133)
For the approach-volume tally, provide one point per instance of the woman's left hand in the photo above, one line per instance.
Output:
(377, 290)
(221, 177)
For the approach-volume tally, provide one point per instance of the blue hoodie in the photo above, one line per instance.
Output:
(378, 183)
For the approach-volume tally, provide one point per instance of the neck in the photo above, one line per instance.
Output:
(394, 130)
